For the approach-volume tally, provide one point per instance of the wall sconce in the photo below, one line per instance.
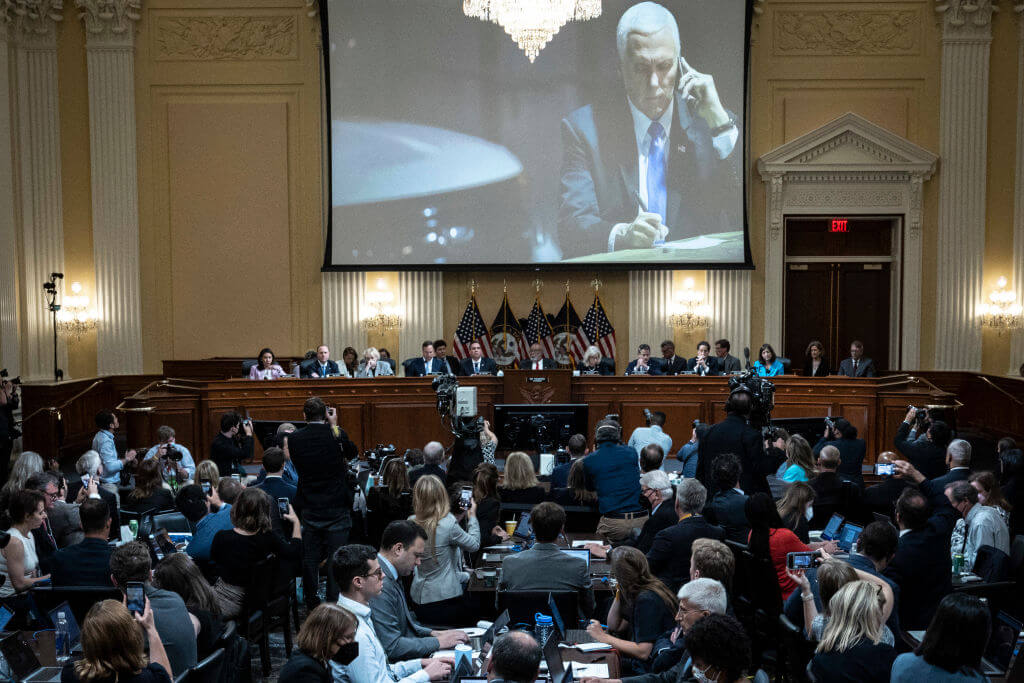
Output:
(1002, 313)
(75, 318)
(690, 312)
(384, 316)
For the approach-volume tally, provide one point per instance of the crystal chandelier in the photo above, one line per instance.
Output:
(75, 318)
(532, 23)
(1002, 313)
(384, 316)
(691, 313)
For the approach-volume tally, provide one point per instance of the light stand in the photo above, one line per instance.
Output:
(50, 292)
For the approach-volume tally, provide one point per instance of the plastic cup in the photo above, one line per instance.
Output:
(510, 527)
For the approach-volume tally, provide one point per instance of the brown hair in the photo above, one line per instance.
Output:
(793, 503)
(630, 568)
(207, 470)
(112, 643)
(833, 575)
(577, 481)
(148, 479)
(713, 560)
(798, 452)
(251, 511)
(519, 471)
(993, 492)
(485, 482)
(325, 625)
(396, 476)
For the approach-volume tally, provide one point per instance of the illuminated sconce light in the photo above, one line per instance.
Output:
(690, 312)
(383, 316)
(1002, 312)
(75, 318)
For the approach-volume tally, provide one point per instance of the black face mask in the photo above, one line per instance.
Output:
(346, 653)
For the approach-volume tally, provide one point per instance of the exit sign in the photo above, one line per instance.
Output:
(839, 225)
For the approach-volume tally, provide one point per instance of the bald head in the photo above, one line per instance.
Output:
(515, 658)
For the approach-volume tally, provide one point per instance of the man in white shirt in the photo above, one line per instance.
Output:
(652, 433)
(360, 578)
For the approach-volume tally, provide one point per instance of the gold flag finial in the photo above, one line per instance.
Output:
(567, 287)
(504, 285)
(537, 284)
(596, 284)
(472, 287)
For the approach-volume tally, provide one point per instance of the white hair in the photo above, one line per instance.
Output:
(645, 18)
(88, 463)
(658, 480)
(705, 594)
(959, 452)
(371, 352)
(433, 453)
(691, 496)
(591, 352)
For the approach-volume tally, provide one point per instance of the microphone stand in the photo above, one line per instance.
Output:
(50, 292)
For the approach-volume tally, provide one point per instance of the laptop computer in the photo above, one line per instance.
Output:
(523, 528)
(1004, 645)
(581, 553)
(23, 663)
(848, 535)
(831, 530)
(879, 517)
(496, 628)
(557, 671)
(573, 635)
(74, 633)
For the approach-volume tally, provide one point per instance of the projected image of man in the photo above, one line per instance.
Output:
(660, 161)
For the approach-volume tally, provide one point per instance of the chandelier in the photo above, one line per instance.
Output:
(75, 318)
(690, 313)
(384, 316)
(1002, 313)
(532, 23)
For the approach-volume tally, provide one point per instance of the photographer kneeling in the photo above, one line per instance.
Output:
(176, 461)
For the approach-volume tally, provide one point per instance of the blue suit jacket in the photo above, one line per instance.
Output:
(653, 365)
(314, 367)
(600, 177)
(276, 487)
(487, 366)
(417, 368)
(83, 564)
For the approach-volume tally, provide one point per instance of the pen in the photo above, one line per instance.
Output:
(660, 240)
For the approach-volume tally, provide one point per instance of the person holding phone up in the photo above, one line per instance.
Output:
(233, 445)
(113, 647)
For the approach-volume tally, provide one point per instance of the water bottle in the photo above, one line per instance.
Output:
(542, 627)
(62, 640)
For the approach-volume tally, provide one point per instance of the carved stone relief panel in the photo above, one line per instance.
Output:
(226, 38)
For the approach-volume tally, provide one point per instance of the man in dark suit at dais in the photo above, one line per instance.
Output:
(658, 164)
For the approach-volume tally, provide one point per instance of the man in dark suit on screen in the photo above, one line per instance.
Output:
(659, 163)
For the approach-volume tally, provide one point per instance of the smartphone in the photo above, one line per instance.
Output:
(207, 486)
(155, 547)
(332, 411)
(85, 480)
(135, 592)
(282, 505)
(802, 560)
(165, 543)
(466, 497)
(885, 469)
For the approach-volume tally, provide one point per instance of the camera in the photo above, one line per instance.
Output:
(762, 396)
(922, 413)
(4, 374)
(446, 387)
(647, 416)
(172, 453)
(614, 417)
(829, 424)
(695, 424)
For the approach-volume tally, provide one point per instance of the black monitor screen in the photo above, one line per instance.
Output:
(540, 428)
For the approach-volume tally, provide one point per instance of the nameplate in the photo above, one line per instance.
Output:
(539, 380)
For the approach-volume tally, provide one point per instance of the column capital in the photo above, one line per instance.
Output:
(966, 19)
(31, 21)
(109, 23)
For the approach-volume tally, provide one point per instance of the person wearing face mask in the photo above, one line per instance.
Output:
(796, 508)
(669, 556)
(327, 636)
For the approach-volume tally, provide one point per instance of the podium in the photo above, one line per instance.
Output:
(537, 386)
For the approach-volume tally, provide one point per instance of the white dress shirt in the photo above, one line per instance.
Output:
(371, 666)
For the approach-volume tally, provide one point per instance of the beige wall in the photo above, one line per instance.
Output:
(228, 97)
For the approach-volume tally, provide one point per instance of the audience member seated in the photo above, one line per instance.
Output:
(656, 488)
(843, 436)
(991, 494)
(767, 363)
(982, 524)
(815, 363)
(208, 514)
(728, 508)
(771, 540)
(86, 563)
(711, 559)
(19, 562)
(921, 566)
(438, 583)
(669, 556)
(177, 573)
(831, 493)
(521, 485)
(703, 364)
(103, 443)
(274, 484)
(851, 647)
(686, 458)
(401, 550)
(928, 454)
(953, 645)
(719, 649)
(360, 578)
(796, 508)
(651, 458)
(27, 464)
(149, 492)
(62, 526)
(391, 499)
(233, 445)
(612, 471)
(697, 599)
(488, 505)
(1011, 477)
(515, 658)
(958, 462)
(433, 455)
(234, 551)
(734, 435)
(176, 460)
(576, 491)
(113, 648)
(266, 367)
(832, 575)
(544, 567)
(327, 635)
(799, 465)
(642, 610)
(857, 365)
(89, 465)
(576, 446)
(593, 363)
(131, 562)
(373, 366)
(207, 470)
(643, 365)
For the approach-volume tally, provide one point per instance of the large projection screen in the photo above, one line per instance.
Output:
(618, 147)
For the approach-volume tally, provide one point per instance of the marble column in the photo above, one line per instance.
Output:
(343, 296)
(110, 54)
(963, 140)
(37, 135)
(10, 343)
(729, 298)
(650, 294)
(1017, 342)
(421, 297)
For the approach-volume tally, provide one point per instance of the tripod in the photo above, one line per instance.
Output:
(50, 292)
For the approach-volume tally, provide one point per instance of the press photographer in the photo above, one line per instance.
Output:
(843, 435)
(928, 453)
(176, 461)
(9, 401)
(233, 445)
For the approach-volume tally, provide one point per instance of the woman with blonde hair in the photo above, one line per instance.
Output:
(207, 470)
(521, 485)
(439, 581)
(799, 465)
(372, 366)
(328, 635)
(643, 609)
(796, 508)
(832, 575)
(851, 647)
(113, 648)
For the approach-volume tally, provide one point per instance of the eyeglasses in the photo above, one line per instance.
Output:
(379, 574)
(51, 496)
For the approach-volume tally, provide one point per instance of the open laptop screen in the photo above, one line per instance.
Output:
(1004, 641)
(848, 536)
(581, 553)
(831, 529)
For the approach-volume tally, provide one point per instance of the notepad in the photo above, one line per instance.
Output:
(589, 670)
(583, 544)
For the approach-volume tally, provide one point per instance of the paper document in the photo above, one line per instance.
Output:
(590, 670)
(582, 544)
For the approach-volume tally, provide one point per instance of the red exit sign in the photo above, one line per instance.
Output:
(838, 225)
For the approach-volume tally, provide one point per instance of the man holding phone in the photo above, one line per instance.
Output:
(274, 483)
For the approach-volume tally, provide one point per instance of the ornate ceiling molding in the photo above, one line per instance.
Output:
(109, 18)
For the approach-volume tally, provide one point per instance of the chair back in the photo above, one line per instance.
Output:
(206, 671)
(173, 521)
(1017, 553)
(798, 649)
(247, 366)
(79, 598)
(145, 520)
(992, 564)
(523, 605)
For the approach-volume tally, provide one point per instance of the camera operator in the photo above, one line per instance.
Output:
(103, 443)
(928, 454)
(843, 435)
(735, 435)
(471, 450)
(175, 460)
(652, 433)
(9, 401)
(233, 445)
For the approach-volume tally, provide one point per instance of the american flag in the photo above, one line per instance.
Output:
(597, 329)
(471, 328)
(539, 330)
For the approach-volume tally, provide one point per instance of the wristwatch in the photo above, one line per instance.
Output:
(718, 130)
